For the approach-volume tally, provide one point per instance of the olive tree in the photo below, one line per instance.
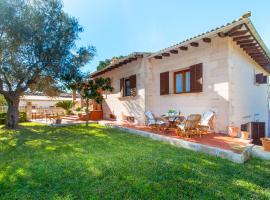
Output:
(37, 50)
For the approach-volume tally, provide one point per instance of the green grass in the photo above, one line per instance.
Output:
(40, 162)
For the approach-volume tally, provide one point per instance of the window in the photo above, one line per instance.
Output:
(127, 87)
(182, 81)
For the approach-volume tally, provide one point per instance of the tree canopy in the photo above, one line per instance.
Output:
(38, 50)
(104, 63)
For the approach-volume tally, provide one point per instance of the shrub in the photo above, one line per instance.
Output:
(22, 117)
(66, 105)
(79, 109)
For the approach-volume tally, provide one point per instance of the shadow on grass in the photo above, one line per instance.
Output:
(40, 162)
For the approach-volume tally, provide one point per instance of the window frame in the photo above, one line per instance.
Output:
(125, 88)
(183, 72)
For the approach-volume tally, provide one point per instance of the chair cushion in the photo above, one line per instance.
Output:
(149, 115)
(151, 122)
(181, 126)
(206, 118)
(159, 122)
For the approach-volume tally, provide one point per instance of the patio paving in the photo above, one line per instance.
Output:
(218, 140)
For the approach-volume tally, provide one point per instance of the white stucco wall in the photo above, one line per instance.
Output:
(128, 106)
(215, 95)
(248, 101)
(42, 101)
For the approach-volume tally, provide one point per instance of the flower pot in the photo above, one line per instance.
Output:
(266, 143)
(245, 135)
(233, 131)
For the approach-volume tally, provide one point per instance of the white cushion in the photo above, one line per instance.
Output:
(181, 126)
(149, 115)
(206, 117)
(159, 122)
(151, 122)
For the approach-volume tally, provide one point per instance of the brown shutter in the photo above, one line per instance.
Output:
(164, 83)
(196, 78)
(133, 84)
(261, 79)
(122, 81)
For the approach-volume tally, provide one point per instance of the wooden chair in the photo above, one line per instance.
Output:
(206, 123)
(189, 126)
(151, 120)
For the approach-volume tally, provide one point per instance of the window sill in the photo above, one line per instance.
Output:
(182, 94)
(127, 98)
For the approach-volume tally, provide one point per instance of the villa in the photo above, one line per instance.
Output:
(224, 70)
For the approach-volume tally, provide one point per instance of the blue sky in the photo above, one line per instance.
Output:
(120, 27)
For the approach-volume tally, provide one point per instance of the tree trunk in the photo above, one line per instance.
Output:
(12, 119)
(74, 95)
(87, 112)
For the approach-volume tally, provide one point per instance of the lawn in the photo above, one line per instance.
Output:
(40, 162)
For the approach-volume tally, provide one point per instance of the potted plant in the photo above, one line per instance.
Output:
(266, 143)
(171, 112)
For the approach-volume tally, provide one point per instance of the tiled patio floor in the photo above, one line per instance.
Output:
(222, 141)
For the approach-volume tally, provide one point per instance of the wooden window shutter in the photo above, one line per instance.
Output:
(122, 82)
(133, 85)
(261, 79)
(196, 78)
(164, 83)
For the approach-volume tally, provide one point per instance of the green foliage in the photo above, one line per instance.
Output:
(78, 109)
(93, 89)
(104, 63)
(67, 105)
(38, 50)
(22, 117)
(42, 162)
(3, 101)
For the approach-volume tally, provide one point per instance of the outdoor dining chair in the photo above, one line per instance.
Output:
(206, 123)
(153, 121)
(189, 126)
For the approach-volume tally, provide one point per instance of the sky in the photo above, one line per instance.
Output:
(120, 27)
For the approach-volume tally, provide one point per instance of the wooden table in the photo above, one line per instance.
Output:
(172, 120)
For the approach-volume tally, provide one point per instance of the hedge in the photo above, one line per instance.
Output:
(22, 117)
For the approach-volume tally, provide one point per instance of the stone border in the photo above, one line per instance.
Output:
(258, 152)
(222, 153)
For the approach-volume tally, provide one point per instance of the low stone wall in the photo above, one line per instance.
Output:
(258, 152)
(222, 153)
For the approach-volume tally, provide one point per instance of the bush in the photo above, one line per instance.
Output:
(66, 105)
(22, 117)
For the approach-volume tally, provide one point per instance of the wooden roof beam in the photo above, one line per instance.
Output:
(238, 33)
(245, 41)
(253, 51)
(158, 57)
(174, 51)
(194, 44)
(183, 48)
(207, 40)
(249, 45)
(242, 38)
(165, 54)
(234, 29)
(222, 34)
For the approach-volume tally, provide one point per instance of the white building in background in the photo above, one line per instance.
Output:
(42, 101)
